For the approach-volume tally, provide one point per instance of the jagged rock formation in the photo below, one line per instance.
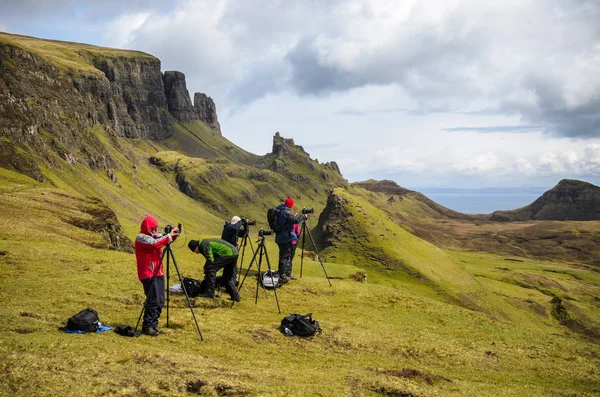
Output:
(207, 111)
(570, 200)
(178, 97)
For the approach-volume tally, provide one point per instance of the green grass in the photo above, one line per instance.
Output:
(378, 338)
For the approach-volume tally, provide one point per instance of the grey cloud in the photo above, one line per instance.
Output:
(498, 128)
(450, 65)
(311, 77)
(349, 111)
(550, 108)
(43, 12)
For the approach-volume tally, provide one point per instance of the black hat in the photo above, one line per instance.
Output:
(193, 244)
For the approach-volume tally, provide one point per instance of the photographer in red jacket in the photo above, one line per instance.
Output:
(148, 254)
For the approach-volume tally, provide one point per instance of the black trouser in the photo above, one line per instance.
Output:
(229, 266)
(285, 259)
(154, 288)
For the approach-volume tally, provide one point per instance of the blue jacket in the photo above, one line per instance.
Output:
(286, 223)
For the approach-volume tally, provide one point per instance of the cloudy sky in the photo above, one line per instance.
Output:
(456, 93)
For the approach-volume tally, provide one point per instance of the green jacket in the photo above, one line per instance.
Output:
(214, 248)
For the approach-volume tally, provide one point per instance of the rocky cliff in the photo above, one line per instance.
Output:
(570, 200)
(53, 95)
(206, 111)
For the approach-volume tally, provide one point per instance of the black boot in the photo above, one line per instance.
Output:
(209, 293)
(233, 292)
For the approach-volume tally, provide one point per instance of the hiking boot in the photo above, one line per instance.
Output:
(291, 276)
(150, 332)
(284, 280)
(207, 294)
(160, 331)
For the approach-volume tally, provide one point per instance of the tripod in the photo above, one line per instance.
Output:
(260, 251)
(169, 254)
(303, 232)
(245, 240)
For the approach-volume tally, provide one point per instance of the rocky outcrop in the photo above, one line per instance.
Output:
(285, 146)
(207, 111)
(178, 97)
(570, 200)
(331, 227)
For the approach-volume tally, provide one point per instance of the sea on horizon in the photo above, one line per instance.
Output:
(482, 201)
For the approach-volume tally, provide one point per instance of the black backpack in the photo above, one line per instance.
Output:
(192, 286)
(299, 325)
(273, 219)
(86, 320)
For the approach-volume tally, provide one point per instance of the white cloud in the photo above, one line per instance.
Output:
(118, 33)
(429, 91)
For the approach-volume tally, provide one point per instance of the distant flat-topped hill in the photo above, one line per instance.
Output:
(570, 200)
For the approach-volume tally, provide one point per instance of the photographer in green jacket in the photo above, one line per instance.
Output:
(219, 254)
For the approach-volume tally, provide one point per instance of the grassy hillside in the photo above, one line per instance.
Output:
(196, 139)
(68, 57)
(359, 233)
(381, 340)
(559, 240)
(228, 185)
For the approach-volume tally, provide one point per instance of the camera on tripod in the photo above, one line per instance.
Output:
(308, 210)
(263, 232)
(247, 221)
(168, 228)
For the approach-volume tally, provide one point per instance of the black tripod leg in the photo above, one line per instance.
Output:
(245, 275)
(189, 302)
(271, 273)
(139, 318)
(319, 257)
(303, 234)
(244, 241)
(260, 255)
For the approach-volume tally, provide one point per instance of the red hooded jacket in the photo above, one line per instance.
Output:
(148, 250)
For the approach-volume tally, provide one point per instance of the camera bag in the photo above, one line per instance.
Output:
(192, 286)
(299, 325)
(86, 320)
(269, 279)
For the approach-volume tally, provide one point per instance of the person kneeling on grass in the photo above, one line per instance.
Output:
(219, 254)
(148, 254)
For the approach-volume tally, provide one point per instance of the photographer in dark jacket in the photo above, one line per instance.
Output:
(285, 238)
(237, 227)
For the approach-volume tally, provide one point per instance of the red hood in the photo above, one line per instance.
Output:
(148, 224)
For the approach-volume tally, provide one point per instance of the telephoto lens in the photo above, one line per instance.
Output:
(263, 232)
(308, 210)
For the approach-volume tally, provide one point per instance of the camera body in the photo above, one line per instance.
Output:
(308, 210)
(247, 222)
(169, 228)
(263, 232)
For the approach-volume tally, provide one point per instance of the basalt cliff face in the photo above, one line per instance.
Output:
(49, 110)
